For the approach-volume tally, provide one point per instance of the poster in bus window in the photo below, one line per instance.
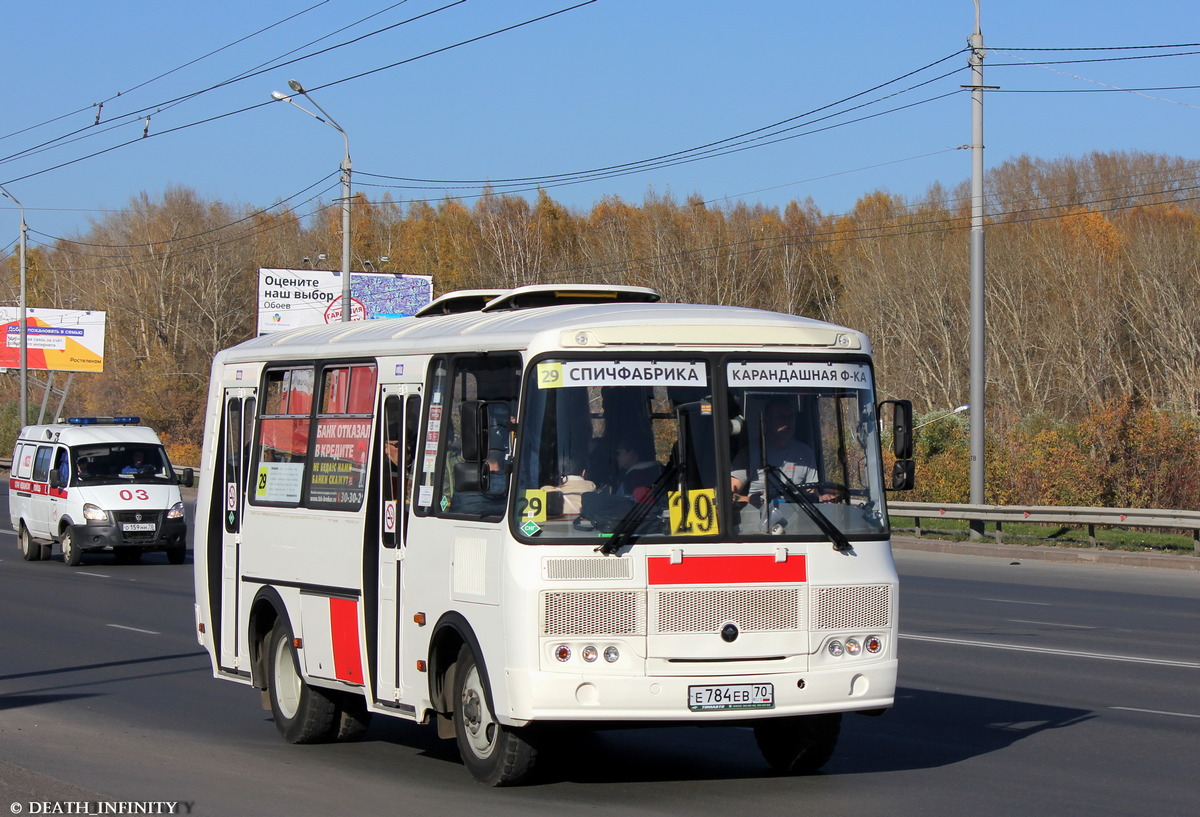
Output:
(339, 469)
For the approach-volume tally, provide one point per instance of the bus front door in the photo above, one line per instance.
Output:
(401, 410)
(237, 446)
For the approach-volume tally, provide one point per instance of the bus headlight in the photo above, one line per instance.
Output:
(611, 654)
(853, 647)
(562, 652)
(176, 511)
(836, 648)
(589, 653)
(874, 644)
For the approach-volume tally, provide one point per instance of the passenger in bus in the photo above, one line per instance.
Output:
(637, 469)
(566, 497)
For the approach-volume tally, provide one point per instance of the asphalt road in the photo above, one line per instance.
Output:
(1026, 689)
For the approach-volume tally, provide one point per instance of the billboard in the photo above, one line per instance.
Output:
(59, 340)
(289, 298)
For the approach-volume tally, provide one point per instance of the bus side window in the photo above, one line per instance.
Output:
(481, 392)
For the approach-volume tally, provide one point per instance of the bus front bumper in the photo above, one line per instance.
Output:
(549, 696)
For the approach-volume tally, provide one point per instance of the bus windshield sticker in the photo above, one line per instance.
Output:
(568, 373)
(759, 374)
(693, 513)
(279, 481)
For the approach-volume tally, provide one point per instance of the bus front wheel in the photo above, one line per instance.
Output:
(303, 713)
(495, 754)
(798, 745)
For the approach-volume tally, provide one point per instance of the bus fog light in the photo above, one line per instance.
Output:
(853, 647)
(874, 644)
(590, 653)
(562, 652)
(836, 648)
(611, 654)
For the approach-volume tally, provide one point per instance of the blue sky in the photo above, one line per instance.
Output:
(605, 84)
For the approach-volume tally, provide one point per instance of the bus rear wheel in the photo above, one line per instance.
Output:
(799, 745)
(495, 754)
(303, 713)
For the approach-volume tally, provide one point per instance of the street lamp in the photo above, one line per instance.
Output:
(958, 410)
(331, 122)
(23, 330)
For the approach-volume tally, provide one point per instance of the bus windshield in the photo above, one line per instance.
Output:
(641, 449)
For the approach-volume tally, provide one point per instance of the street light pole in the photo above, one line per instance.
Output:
(23, 329)
(978, 354)
(331, 122)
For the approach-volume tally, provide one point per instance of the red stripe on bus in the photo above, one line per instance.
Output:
(726, 570)
(343, 626)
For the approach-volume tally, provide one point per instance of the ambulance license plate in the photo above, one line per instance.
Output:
(731, 696)
(138, 527)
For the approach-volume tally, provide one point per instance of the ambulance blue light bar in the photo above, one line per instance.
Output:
(96, 421)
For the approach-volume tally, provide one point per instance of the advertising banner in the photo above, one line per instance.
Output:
(60, 340)
(288, 298)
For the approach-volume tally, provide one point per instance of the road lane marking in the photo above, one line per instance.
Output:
(1131, 659)
(1052, 624)
(1014, 601)
(97, 575)
(134, 629)
(1155, 712)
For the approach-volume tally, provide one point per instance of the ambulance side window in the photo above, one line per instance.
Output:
(41, 464)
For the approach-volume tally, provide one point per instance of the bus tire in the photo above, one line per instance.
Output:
(72, 553)
(30, 549)
(302, 713)
(798, 745)
(495, 754)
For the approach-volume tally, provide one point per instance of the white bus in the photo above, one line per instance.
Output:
(519, 510)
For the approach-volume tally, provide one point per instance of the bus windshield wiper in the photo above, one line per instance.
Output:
(796, 494)
(632, 520)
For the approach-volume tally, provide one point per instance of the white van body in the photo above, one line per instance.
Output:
(96, 485)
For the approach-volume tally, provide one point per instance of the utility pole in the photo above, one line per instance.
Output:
(978, 347)
(23, 329)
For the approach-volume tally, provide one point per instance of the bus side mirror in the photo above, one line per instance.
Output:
(903, 475)
(471, 427)
(187, 478)
(902, 427)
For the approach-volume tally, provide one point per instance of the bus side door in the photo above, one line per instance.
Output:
(401, 410)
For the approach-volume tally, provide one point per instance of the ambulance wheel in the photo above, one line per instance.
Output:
(72, 555)
(495, 754)
(30, 549)
(176, 555)
(798, 745)
(303, 713)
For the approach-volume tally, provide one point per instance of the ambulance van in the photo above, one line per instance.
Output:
(96, 484)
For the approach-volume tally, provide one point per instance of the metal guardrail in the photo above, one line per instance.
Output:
(1090, 518)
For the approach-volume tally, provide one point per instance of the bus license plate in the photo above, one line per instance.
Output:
(731, 696)
(138, 527)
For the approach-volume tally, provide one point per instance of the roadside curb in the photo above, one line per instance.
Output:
(1050, 554)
